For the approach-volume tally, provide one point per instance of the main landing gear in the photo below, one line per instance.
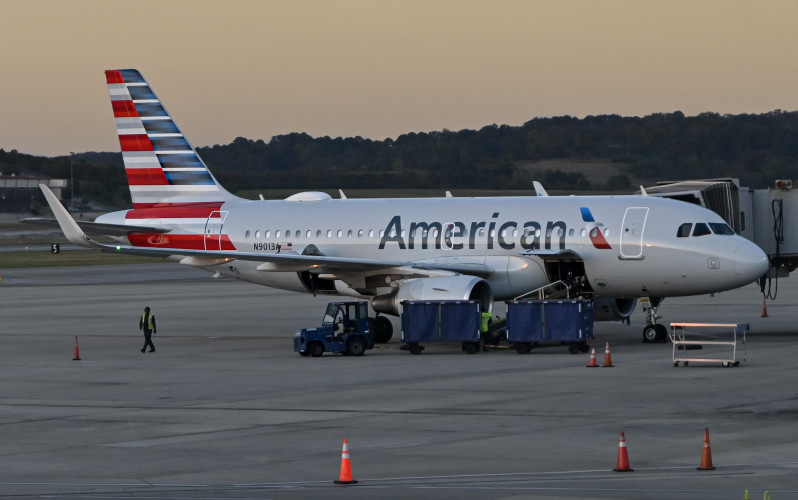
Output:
(653, 331)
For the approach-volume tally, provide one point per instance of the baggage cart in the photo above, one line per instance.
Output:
(441, 321)
(530, 322)
(720, 351)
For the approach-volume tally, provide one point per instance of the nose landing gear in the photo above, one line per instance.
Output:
(653, 331)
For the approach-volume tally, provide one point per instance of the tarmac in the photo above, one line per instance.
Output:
(225, 409)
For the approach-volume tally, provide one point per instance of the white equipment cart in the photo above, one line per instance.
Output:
(719, 348)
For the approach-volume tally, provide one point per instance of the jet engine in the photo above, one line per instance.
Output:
(459, 287)
(609, 309)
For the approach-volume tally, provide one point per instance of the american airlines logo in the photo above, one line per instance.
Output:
(460, 235)
(593, 231)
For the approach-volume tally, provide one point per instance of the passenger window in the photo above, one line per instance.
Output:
(701, 229)
(246, 235)
(684, 230)
(359, 233)
(267, 234)
(719, 228)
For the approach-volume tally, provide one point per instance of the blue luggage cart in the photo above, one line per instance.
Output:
(530, 322)
(441, 321)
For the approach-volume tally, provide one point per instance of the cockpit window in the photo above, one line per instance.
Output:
(684, 230)
(701, 229)
(721, 228)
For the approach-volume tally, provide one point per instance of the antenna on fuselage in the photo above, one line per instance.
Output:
(343, 196)
(643, 191)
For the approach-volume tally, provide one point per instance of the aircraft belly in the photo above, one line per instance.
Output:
(246, 271)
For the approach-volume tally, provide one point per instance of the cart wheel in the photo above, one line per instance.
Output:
(584, 347)
(726, 364)
(685, 363)
(523, 347)
(736, 363)
(304, 353)
(415, 348)
(675, 363)
(573, 348)
(356, 346)
(316, 349)
(471, 347)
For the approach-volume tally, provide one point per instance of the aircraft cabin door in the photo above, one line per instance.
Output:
(213, 230)
(634, 222)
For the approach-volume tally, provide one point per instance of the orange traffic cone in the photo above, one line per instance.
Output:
(764, 308)
(77, 352)
(706, 454)
(346, 467)
(623, 457)
(607, 356)
(592, 363)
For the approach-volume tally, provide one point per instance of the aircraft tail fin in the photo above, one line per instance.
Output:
(161, 165)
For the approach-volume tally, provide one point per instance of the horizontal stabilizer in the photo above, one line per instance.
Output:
(99, 228)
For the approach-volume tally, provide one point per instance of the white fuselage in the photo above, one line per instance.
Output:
(630, 248)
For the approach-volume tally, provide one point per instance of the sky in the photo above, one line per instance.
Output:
(380, 68)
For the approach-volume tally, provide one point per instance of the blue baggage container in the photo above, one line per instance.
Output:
(538, 321)
(441, 321)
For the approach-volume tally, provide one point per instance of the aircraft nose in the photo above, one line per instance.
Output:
(750, 261)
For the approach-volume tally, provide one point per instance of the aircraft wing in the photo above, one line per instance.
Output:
(287, 261)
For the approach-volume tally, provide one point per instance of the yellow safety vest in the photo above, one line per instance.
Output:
(148, 322)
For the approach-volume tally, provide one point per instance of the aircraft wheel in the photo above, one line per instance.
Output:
(356, 346)
(316, 349)
(381, 330)
(662, 333)
(650, 333)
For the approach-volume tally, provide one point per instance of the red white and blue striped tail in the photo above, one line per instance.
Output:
(161, 165)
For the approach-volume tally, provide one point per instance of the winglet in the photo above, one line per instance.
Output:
(539, 188)
(68, 225)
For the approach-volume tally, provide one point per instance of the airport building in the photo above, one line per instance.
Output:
(21, 193)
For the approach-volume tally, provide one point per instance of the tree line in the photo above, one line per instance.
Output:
(757, 148)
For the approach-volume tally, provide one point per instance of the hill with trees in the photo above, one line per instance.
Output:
(607, 152)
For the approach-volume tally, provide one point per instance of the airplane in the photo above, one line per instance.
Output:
(613, 249)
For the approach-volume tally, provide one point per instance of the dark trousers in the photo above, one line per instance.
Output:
(148, 340)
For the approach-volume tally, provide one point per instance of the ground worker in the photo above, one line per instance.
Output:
(147, 325)
(484, 322)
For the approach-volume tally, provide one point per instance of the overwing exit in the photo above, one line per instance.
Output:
(613, 249)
